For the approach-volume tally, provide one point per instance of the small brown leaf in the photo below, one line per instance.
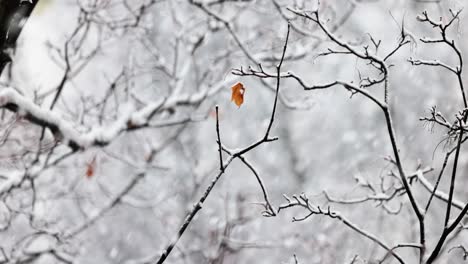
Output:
(238, 94)
(90, 168)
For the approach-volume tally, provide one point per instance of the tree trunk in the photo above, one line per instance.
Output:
(13, 16)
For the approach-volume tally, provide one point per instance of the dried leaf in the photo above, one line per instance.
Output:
(238, 94)
(90, 168)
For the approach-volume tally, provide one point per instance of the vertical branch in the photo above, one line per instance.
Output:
(458, 71)
(449, 228)
(221, 167)
(380, 65)
(406, 185)
(278, 77)
(454, 173)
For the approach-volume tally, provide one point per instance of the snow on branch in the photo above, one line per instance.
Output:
(130, 118)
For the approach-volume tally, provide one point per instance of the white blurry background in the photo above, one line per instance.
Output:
(327, 140)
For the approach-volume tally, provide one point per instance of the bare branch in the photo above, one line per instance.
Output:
(303, 202)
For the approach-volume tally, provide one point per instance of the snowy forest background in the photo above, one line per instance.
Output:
(108, 135)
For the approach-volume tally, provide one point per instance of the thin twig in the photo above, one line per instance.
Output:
(221, 167)
(303, 201)
(197, 207)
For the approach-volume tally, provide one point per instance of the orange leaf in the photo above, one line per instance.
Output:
(90, 168)
(238, 94)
